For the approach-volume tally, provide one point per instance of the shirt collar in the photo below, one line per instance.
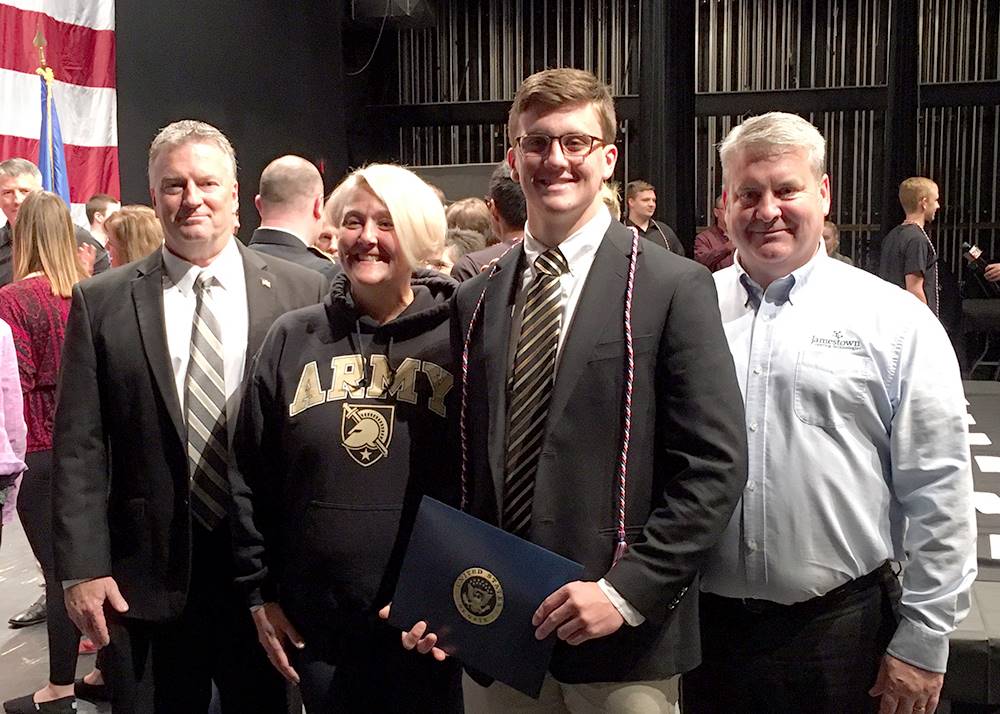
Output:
(632, 224)
(783, 289)
(226, 268)
(576, 247)
(282, 229)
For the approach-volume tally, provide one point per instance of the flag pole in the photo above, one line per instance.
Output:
(47, 74)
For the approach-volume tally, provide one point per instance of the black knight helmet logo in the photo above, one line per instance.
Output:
(366, 431)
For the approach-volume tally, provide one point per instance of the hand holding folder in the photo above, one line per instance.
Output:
(478, 589)
(577, 612)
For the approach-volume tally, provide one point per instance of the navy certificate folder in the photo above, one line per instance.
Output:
(477, 587)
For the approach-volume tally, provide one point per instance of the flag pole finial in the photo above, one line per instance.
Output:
(40, 43)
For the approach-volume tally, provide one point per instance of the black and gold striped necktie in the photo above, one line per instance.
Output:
(205, 407)
(531, 388)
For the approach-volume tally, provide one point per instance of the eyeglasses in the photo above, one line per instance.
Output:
(574, 146)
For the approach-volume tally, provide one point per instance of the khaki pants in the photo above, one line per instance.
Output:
(558, 698)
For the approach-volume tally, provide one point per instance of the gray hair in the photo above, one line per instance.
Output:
(774, 133)
(189, 131)
(20, 167)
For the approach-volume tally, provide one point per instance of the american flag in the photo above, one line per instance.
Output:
(80, 37)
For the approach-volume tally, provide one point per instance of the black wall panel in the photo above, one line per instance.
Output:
(268, 74)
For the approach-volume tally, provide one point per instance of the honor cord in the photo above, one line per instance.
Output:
(621, 546)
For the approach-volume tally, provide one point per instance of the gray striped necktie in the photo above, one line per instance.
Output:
(205, 410)
(531, 388)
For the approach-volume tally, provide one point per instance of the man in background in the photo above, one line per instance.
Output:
(100, 207)
(831, 241)
(18, 178)
(505, 199)
(909, 258)
(712, 247)
(641, 199)
(290, 204)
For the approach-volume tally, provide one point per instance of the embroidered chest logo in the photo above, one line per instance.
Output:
(837, 341)
(366, 432)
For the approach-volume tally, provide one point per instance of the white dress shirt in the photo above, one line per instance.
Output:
(229, 305)
(857, 449)
(579, 250)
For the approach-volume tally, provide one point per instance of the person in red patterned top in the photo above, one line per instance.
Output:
(36, 306)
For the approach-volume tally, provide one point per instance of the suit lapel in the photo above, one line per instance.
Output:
(262, 301)
(602, 302)
(147, 295)
(495, 331)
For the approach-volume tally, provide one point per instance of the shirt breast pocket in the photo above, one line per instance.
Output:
(831, 386)
(615, 349)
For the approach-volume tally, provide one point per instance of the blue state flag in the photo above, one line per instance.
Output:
(51, 157)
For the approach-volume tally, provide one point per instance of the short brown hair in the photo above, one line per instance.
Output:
(135, 232)
(912, 190)
(634, 188)
(554, 88)
(98, 203)
(44, 241)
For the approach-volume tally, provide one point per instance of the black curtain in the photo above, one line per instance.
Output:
(268, 74)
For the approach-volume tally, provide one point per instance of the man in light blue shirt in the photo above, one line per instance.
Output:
(857, 457)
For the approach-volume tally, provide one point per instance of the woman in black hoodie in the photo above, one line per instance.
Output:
(343, 427)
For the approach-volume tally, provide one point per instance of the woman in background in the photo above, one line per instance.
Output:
(36, 306)
(133, 233)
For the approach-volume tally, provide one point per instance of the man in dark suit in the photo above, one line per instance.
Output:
(153, 360)
(18, 178)
(290, 204)
(545, 381)
(505, 199)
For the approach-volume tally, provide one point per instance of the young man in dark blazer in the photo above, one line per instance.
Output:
(153, 360)
(630, 627)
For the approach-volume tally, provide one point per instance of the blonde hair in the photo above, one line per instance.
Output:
(774, 133)
(417, 214)
(912, 190)
(611, 198)
(470, 214)
(554, 88)
(135, 232)
(44, 241)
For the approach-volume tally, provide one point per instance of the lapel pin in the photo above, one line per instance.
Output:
(265, 282)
